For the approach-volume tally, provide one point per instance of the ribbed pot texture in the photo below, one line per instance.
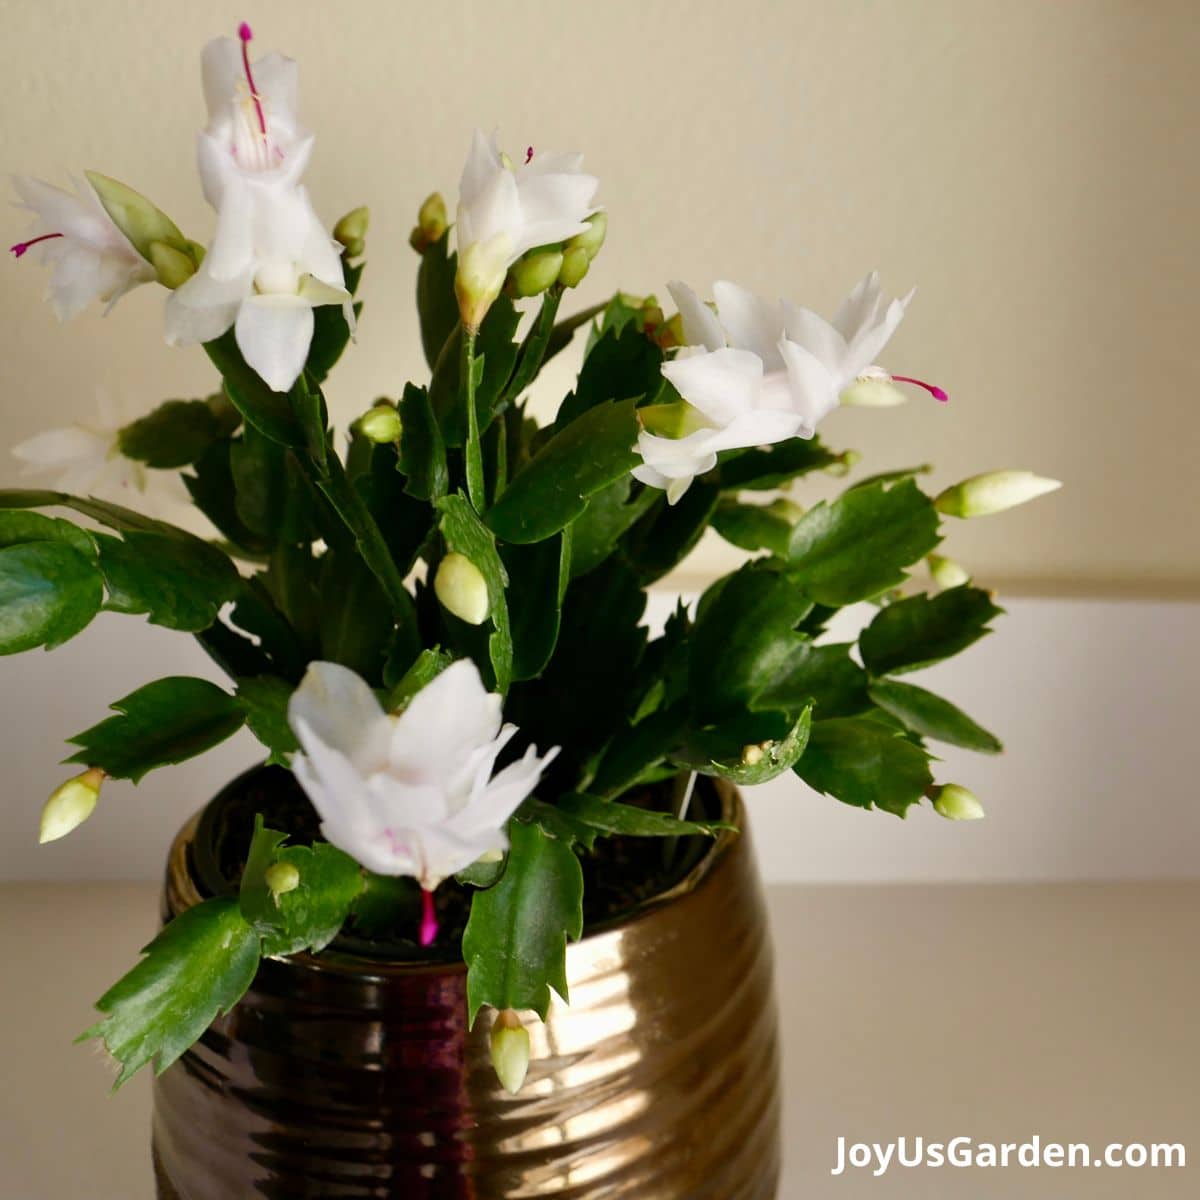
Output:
(343, 1076)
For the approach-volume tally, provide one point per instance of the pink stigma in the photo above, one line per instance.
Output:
(936, 392)
(21, 247)
(245, 34)
(528, 155)
(429, 923)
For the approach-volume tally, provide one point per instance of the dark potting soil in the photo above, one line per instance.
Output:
(619, 875)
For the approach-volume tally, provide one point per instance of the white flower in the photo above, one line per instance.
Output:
(85, 458)
(413, 794)
(505, 209)
(758, 373)
(90, 258)
(271, 260)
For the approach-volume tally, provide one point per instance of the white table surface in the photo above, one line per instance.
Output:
(994, 1012)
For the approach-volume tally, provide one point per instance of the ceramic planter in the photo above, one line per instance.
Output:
(345, 1075)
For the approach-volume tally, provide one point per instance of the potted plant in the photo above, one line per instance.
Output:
(498, 817)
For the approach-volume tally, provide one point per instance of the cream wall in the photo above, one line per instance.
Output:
(1030, 164)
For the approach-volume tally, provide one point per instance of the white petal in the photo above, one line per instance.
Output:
(868, 342)
(816, 335)
(483, 161)
(814, 390)
(750, 322)
(203, 308)
(860, 307)
(57, 448)
(339, 708)
(502, 796)
(721, 384)
(700, 324)
(274, 334)
(448, 717)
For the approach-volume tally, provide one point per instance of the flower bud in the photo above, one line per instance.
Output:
(946, 572)
(139, 220)
(956, 803)
(70, 805)
(380, 425)
(462, 589)
(574, 266)
(993, 492)
(482, 269)
(351, 230)
(592, 238)
(669, 334)
(872, 391)
(510, 1050)
(536, 271)
(432, 223)
(281, 878)
(172, 266)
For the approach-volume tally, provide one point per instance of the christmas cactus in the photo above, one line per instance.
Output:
(436, 619)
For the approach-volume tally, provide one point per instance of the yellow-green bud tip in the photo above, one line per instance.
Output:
(993, 492)
(947, 573)
(381, 424)
(432, 223)
(351, 230)
(956, 803)
(462, 589)
(510, 1050)
(70, 805)
(172, 267)
(574, 266)
(752, 755)
(593, 237)
(281, 878)
(536, 271)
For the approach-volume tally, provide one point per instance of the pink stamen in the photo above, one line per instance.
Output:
(245, 34)
(528, 155)
(21, 247)
(429, 922)
(936, 392)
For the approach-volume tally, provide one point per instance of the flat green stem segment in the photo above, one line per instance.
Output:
(475, 485)
(349, 506)
(533, 352)
(515, 944)
(200, 965)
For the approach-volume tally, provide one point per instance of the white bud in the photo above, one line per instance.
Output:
(947, 573)
(993, 492)
(752, 755)
(462, 589)
(956, 803)
(510, 1050)
(70, 805)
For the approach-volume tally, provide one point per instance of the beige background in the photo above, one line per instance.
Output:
(1031, 165)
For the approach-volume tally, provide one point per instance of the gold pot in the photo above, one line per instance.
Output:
(340, 1075)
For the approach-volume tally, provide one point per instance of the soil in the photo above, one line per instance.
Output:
(620, 874)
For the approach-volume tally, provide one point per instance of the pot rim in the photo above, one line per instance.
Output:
(180, 893)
